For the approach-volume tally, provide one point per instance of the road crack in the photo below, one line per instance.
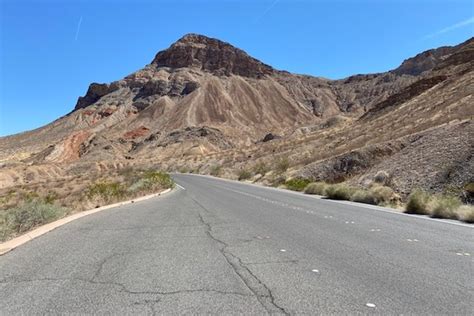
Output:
(260, 290)
(124, 289)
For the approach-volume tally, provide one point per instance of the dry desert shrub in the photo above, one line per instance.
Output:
(318, 188)
(364, 196)
(277, 180)
(340, 191)
(282, 165)
(443, 206)
(261, 168)
(216, 170)
(244, 174)
(466, 213)
(382, 195)
(418, 203)
(439, 206)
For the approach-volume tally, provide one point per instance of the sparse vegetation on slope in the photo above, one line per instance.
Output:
(28, 215)
(216, 170)
(24, 210)
(261, 168)
(282, 165)
(244, 174)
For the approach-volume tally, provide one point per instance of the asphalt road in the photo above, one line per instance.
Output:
(220, 247)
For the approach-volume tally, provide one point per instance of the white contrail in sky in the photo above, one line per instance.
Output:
(452, 27)
(78, 28)
(267, 10)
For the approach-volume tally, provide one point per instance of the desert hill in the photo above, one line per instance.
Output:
(203, 103)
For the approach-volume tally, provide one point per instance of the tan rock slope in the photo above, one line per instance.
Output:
(202, 103)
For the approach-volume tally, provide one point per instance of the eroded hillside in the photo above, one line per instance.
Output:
(203, 103)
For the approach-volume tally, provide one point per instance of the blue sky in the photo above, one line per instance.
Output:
(52, 50)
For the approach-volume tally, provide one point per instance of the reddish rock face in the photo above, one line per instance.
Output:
(136, 133)
(211, 55)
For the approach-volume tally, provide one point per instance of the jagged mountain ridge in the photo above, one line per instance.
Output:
(203, 98)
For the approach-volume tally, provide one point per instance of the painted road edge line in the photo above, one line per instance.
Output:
(20, 240)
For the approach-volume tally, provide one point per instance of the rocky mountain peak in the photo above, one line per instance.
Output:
(436, 58)
(213, 55)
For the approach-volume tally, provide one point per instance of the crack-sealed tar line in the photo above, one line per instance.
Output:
(261, 291)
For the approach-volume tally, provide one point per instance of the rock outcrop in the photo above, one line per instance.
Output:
(213, 55)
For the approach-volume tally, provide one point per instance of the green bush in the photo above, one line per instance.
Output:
(159, 178)
(445, 206)
(297, 184)
(418, 203)
(108, 191)
(29, 215)
(282, 165)
(340, 192)
(261, 168)
(244, 174)
(318, 188)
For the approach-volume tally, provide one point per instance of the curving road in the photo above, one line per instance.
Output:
(221, 247)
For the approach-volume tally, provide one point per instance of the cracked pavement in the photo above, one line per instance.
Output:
(214, 248)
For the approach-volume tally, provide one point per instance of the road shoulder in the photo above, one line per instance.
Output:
(20, 240)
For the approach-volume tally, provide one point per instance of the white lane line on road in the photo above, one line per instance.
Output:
(283, 250)
(372, 305)
(180, 186)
